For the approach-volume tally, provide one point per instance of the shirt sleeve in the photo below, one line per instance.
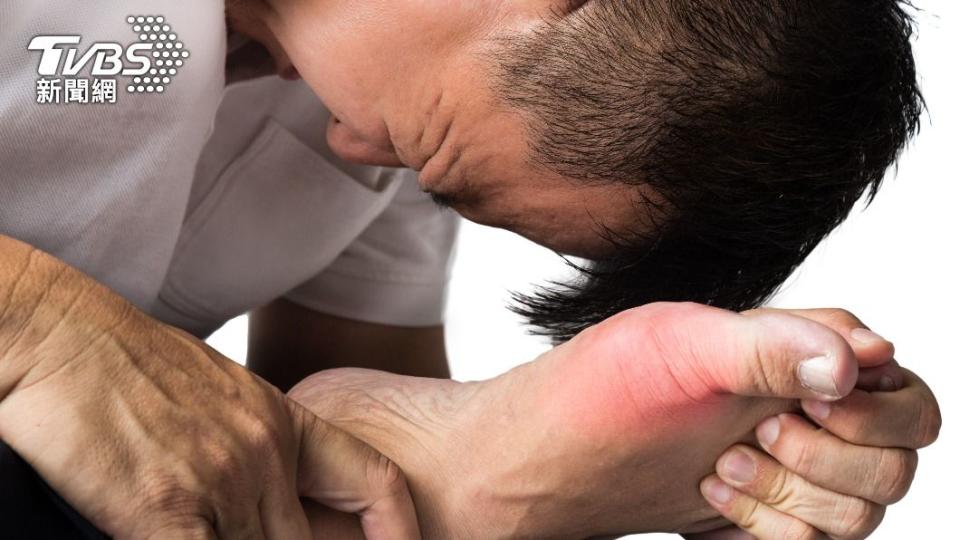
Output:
(396, 272)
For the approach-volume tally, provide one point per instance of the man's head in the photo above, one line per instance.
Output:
(692, 149)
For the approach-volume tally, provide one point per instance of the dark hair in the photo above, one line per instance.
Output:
(758, 124)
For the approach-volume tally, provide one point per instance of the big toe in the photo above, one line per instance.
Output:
(704, 351)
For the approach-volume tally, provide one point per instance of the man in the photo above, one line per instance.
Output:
(151, 264)
(753, 90)
(363, 310)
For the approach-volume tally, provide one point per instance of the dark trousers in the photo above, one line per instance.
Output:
(30, 510)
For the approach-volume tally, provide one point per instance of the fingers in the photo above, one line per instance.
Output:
(886, 378)
(870, 348)
(908, 418)
(756, 475)
(328, 523)
(881, 475)
(727, 533)
(250, 528)
(765, 354)
(195, 529)
(346, 474)
(751, 515)
(282, 514)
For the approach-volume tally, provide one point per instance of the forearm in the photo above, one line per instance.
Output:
(40, 297)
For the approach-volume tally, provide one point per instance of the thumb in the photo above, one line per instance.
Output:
(766, 354)
(344, 473)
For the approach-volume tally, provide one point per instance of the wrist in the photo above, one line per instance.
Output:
(19, 286)
(48, 312)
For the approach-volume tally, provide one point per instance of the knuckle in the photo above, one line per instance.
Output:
(660, 315)
(756, 371)
(860, 428)
(384, 475)
(223, 462)
(929, 424)
(780, 493)
(798, 530)
(660, 333)
(183, 529)
(165, 495)
(843, 317)
(678, 309)
(749, 514)
(766, 381)
(647, 316)
(857, 518)
(806, 458)
(895, 472)
(263, 436)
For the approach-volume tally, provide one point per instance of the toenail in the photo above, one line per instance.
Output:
(739, 467)
(817, 374)
(718, 492)
(817, 409)
(769, 431)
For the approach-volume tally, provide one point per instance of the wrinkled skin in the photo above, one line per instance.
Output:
(608, 434)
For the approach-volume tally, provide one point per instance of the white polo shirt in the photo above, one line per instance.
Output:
(274, 213)
(104, 186)
(194, 232)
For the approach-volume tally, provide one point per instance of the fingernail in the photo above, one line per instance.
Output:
(866, 336)
(718, 492)
(887, 384)
(816, 409)
(739, 467)
(769, 431)
(816, 374)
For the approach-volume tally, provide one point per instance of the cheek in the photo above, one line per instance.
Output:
(334, 51)
(350, 146)
(349, 49)
(350, 91)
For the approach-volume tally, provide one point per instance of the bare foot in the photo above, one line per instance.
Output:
(608, 434)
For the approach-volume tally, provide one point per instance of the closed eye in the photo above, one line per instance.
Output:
(572, 6)
(443, 202)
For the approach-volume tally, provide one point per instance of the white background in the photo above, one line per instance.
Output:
(896, 265)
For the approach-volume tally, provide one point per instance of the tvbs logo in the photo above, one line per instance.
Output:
(148, 65)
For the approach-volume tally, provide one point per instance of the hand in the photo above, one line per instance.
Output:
(608, 434)
(151, 434)
(836, 481)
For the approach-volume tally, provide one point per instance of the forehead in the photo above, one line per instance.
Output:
(570, 216)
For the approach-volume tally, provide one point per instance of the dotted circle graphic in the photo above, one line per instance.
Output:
(167, 53)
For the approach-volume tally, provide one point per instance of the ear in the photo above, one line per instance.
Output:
(348, 145)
